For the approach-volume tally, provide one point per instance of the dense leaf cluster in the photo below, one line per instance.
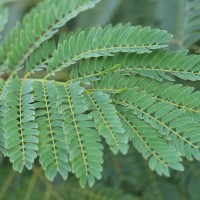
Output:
(122, 90)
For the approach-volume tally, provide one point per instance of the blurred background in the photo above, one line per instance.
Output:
(124, 177)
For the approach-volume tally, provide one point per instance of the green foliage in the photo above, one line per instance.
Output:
(124, 89)
(192, 23)
(20, 130)
(97, 42)
(52, 148)
(45, 20)
(81, 137)
(38, 60)
(173, 64)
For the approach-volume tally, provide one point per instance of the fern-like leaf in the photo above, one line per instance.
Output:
(98, 42)
(40, 25)
(175, 63)
(122, 88)
(52, 140)
(147, 141)
(169, 93)
(162, 106)
(38, 60)
(107, 121)
(169, 121)
(85, 150)
(21, 137)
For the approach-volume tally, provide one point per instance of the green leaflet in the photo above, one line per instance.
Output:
(5, 47)
(175, 63)
(161, 104)
(147, 141)
(167, 94)
(154, 126)
(52, 140)
(83, 141)
(168, 120)
(44, 20)
(107, 121)
(91, 69)
(43, 55)
(38, 60)
(98, 42)
(21, 141)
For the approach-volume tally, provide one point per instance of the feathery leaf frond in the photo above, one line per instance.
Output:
(147, 141)
(38, 26)
(168, 120)
(81, 137)
(52, 140)
(21, 139)
(38, 60)
(98, 42)
(122, 85)
(160, 64)
(106, 120)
